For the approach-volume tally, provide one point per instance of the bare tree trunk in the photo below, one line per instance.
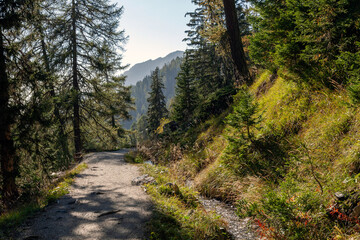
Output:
(9, 165)
(237, 51)
(76, 89)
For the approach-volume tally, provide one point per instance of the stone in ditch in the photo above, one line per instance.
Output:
(340, 196)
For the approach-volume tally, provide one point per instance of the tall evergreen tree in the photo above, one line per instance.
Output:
(236, 45)
(12, 13)
(157, 106)
(83, 27)
(186, 96)
(42, 25)
(214, 75)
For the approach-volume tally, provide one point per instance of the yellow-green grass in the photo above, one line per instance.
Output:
(319, 131)
(177, 213)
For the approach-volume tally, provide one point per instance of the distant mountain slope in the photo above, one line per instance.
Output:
(140, 70)
(140, 92)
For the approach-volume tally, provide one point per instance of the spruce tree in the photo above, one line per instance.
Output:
(85, 29)
(157, 106)
(236, 45)
(214, 76)
(12, 14)
(186, 96)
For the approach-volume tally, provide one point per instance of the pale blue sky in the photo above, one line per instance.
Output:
(155, 27)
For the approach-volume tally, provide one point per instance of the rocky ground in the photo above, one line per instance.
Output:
(240, 229)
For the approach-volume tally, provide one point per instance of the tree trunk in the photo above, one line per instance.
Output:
(76, 89)
(237, 51)
(9, 165)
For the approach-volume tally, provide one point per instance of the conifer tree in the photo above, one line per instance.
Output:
(19, 91)
(214, 75)
(11, 16)
(236, 45)
(313, 39)
(157, 106)
(41, 29)
(85, 29)
(186, 96)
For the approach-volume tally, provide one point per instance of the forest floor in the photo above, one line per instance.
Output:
(102, 204)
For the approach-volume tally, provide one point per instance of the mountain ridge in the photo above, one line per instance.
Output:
(140, 70)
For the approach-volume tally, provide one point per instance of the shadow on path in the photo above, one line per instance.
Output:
(102, 204)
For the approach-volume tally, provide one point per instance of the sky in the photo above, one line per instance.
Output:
(155, 28)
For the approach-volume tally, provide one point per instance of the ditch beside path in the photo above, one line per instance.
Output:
(102, 204)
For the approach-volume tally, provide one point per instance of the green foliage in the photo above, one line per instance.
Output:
(245, 115)
(134, 157)
(245, 153)
(62, 188)
(350, 62)
(293, 218)
(186, 95)
(177, 212)
(39, 63)
(157, 106)
(140, 91)
(245, 209)
(14, 218)
(314, 39)
(205, 83)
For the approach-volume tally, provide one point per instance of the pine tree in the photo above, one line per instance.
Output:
(12, 14)
(86, 32)
(41, 25)
(236, 45)
(157, 106)
(214, 75)
(186, 96)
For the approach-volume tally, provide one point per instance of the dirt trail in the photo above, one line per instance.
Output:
(102, 204)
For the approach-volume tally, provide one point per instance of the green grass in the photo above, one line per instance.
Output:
(304, 150)
(308, 142)
(133, 157)
(13, 218)
(178, 214)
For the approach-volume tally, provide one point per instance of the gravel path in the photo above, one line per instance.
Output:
(102, 204)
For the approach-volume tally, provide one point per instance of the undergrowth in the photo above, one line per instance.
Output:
(178, 214)
(283, 166)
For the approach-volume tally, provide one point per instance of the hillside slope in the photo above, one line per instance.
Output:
(295, 172)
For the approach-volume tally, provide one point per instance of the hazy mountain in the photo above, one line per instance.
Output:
(140, 70)
(140, 92)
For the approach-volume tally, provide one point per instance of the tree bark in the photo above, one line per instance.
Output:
(9, 165)
(76, 89)
(236, 45)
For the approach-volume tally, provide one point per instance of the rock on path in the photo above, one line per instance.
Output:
(102, 204)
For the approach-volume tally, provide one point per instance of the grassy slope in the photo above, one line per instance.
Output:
(317, 132)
